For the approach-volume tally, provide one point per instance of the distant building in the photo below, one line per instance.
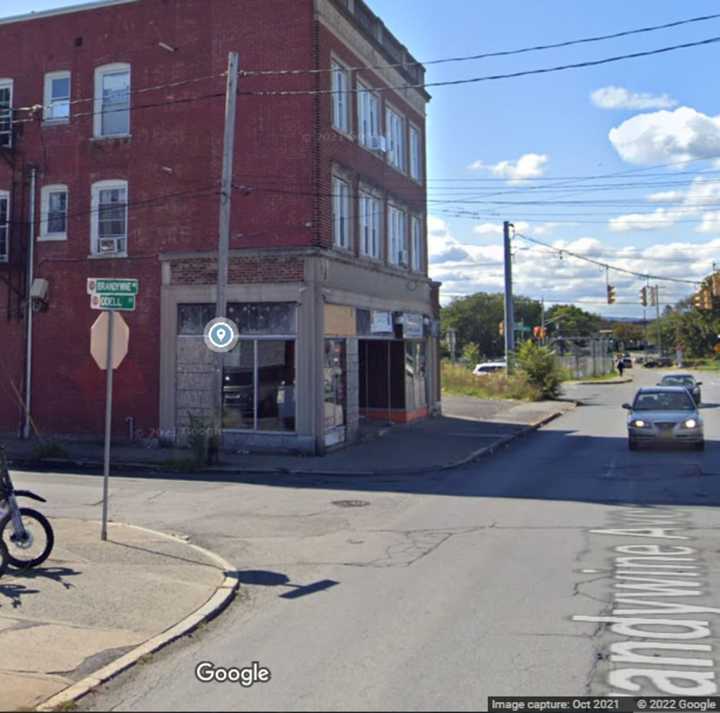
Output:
(118, 106)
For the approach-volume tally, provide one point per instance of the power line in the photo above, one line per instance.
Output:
(607, 266)
(488, 78)
(488, 55)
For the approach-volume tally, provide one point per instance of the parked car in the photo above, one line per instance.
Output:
(627, 361)
(664, 414)
(652, 362)
(686, 380)
(489, 367)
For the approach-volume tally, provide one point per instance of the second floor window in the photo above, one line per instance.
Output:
(396, 236)
(57, 97)
(54, 214)
(4, 225)
(416, 166)
(6, 92)
(417, 244)
(112, 100)
(340, 98)
(341, 213)
(370, 219)
(396, 138)
(368, 116)
(109, 218)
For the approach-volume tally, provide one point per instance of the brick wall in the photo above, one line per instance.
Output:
(203, 271)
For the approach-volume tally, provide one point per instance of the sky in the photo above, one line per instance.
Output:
(577, 159)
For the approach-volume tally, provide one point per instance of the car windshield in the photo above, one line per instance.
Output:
(663, 401)
(678, 380)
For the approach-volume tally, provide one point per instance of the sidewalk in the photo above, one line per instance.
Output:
(468, 428)
(92, 604)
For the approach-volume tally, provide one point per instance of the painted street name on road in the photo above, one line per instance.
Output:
(646, 573)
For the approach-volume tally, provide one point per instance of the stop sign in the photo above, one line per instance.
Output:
(99, 340)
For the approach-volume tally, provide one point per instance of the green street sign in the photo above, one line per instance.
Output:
(113, 303)
(110, 286)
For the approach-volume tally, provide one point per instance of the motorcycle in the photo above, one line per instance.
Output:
(25, 534)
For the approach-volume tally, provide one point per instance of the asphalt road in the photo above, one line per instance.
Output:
(435, 592)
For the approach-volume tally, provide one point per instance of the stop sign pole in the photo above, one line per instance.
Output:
(110, 296)
(108, 423)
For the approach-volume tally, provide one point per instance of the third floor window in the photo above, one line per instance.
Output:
(57, 98)
(112, 100)
(340, 98)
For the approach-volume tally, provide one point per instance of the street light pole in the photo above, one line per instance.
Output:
(509, 321)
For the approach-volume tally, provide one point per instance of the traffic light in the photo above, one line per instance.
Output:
(611, 295)
(501, 328)
(707, 298)
(644, 297)
(716, 284)
(654, 294)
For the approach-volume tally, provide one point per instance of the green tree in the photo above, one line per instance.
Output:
(571, 321)
(541, 368)
(471, 353)
(477, 318)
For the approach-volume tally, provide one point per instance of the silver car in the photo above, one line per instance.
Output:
(664, 414)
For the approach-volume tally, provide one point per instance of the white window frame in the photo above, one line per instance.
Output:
(368, 114)
(341, 220)
(397, 233)
(45, 194)
(416, 154)
(4, 257)
(371, 218)
(416, 236)
(100, 74)
(9, 84)
(340, 97)
(95, 216)
(395, 129)
(49, 103)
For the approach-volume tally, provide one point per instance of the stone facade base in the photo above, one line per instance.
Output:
(394, 415)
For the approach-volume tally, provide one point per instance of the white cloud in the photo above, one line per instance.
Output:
(667, 137)
(621, 98)
(530, 165)
(538, 272)
(710, 222)
(701, 194)
(666, 197)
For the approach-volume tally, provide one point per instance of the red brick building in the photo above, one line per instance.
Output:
(111, 131)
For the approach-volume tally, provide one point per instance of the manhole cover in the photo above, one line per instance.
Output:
(351, 503)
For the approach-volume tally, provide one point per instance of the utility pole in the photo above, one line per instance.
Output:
(657, 306)
(542, 321)
(29, 307)
(224, 234)
(509, 320)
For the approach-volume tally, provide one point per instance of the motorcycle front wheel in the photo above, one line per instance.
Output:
(33, 545)
(3, 558)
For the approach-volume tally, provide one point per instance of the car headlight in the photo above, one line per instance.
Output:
(639, 423)
(691, 423)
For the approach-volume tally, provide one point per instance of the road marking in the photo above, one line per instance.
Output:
(645, 575)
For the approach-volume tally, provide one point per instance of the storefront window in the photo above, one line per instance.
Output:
(259, 386)
(415, 375)
(335, 383)
(254, 318)
(276, 385)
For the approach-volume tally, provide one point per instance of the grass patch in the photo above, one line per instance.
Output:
(49, 449)
(461, 381)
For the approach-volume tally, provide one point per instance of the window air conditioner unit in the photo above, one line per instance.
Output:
(379, 143)
(110, 246)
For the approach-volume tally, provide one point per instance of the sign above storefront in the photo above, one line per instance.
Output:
(340, 321)
(413, 326)
(381, 323)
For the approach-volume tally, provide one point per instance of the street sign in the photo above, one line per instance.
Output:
(113, 303)
(99, 340)
(111, 286)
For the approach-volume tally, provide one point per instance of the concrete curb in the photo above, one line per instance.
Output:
(608, 382)
(222, 597)
(230, 470)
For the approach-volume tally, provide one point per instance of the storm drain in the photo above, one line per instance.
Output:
(350, 503)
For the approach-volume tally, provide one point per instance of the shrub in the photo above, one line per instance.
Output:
(541, 369)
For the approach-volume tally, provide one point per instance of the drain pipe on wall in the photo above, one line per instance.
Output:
(28, 306)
